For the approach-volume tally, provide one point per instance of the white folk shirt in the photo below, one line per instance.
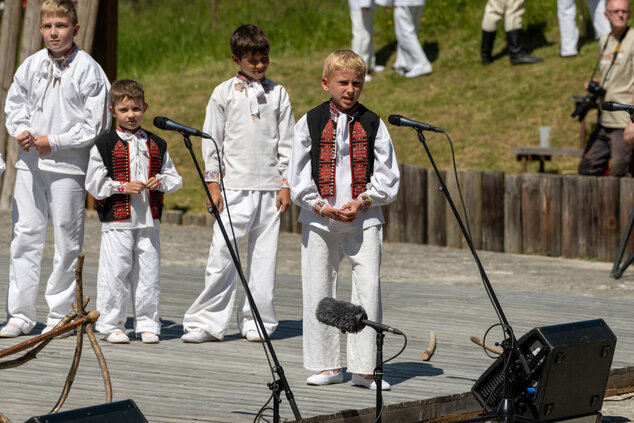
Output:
(382, 188)
(70, 105)
(254, 148)
(101, 186)
(2, 165)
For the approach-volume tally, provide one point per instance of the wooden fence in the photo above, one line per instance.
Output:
(570, 216)
(20, 37)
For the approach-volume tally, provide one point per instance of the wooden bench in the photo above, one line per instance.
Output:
(542, 154)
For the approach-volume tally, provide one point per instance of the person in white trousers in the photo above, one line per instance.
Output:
(567, 14)
(362, 20)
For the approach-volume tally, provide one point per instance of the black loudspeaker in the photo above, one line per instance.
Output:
(124, 411)
(569, 368)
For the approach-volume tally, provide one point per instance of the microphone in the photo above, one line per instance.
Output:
(399, 120)
(348, 317)
(169, 125)
(612, 106)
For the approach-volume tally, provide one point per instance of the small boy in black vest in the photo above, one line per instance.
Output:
(128, 173)
(342, 170)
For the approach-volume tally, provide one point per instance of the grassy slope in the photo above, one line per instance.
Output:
(170, 47)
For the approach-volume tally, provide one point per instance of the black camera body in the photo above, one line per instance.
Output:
(589, 101)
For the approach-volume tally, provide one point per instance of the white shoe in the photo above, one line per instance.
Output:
(49, 328)
(329, 379)
(252, 335)
(118, 337)
(198, 336)
(362, 380)
(11, 330)
(368, 78)
(413, 73)
(378, 68)
(149, 338)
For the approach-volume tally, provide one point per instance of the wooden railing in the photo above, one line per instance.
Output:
(570, 216)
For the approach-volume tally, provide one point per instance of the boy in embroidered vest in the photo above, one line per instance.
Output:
(128, 173)
(55, 108)
(251, 119)
(342, 169)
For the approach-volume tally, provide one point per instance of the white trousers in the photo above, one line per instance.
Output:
(38, 197)
(321, 254)
(511, 10)
(567, 17)
(254, 215)
(362, 35)
(409, 53)
(129, 266)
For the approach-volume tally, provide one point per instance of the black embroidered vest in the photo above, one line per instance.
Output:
(322, 154)
(115, 154)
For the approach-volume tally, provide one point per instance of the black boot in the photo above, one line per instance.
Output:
(518, 57)
(486, 50)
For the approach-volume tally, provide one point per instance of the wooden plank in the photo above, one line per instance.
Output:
(395, 223)
(493, 211)
(547, 151)
(454, 234)
(415, 190)
(473, 203)
(550, 218)
(608, 218)
(87, 13)
(31, 36)
(588, 215)
(513, 214)
(569, 217)
(531, 213)
(626, 205)
(436, 211)
(104, 49)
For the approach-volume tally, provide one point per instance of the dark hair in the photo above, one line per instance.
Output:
(249, 38)
(123, 88)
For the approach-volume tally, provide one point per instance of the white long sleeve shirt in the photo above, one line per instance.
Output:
(382, 188)
(2, 165)
(254, 148)
(101, 186)
(68, 104)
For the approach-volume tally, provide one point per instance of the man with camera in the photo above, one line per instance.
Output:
(610, 144)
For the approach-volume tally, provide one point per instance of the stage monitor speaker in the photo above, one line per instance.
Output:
(124, 411)
(569, 368)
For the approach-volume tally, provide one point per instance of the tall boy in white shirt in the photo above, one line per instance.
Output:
(251, 119)
(55, 108)
(128, 173)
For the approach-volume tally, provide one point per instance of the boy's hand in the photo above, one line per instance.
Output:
(216, 195)
(348, 211)
(283, 200)
(331, 213)
(134, 187)
(25, 140)
(42, 145)
(152, 184)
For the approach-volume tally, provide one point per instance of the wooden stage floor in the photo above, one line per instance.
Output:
(227, 381)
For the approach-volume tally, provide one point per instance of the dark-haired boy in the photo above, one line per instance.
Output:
(128, 173)
(251, 119)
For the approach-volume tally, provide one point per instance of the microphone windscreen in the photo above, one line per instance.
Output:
(607, 105)
(160, 122)
(339, 314)
(394, 120)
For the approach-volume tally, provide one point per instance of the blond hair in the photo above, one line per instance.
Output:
(343, 59)
(123, 88)
(60, 8)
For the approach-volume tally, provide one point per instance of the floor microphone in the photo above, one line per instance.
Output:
(612, 106)
(347, 317)
(399, 120)
(169, 125)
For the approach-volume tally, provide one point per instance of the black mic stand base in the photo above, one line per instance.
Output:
(281, 383)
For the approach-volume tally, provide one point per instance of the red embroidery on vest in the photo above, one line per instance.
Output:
(156, 197)
(121, 166)
(327, 156)
(358, 159)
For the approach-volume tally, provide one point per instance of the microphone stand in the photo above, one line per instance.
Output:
(280, 384)
(505, 412)
(378, 375)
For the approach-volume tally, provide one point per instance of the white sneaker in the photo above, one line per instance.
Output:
(362, 380)
(415, 72)
(11, 330)
(149, 338)
(118, 337)
(329, 379)
(49, 328)
(252, 335)
(378, 68)
(368, 78)
(198, 336)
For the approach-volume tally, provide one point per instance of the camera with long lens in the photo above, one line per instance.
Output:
(589, 101)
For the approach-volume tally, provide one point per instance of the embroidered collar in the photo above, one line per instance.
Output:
(353, 113)
(67, 58)
(128, 135)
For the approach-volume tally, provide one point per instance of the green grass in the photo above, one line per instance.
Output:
(170, 46)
